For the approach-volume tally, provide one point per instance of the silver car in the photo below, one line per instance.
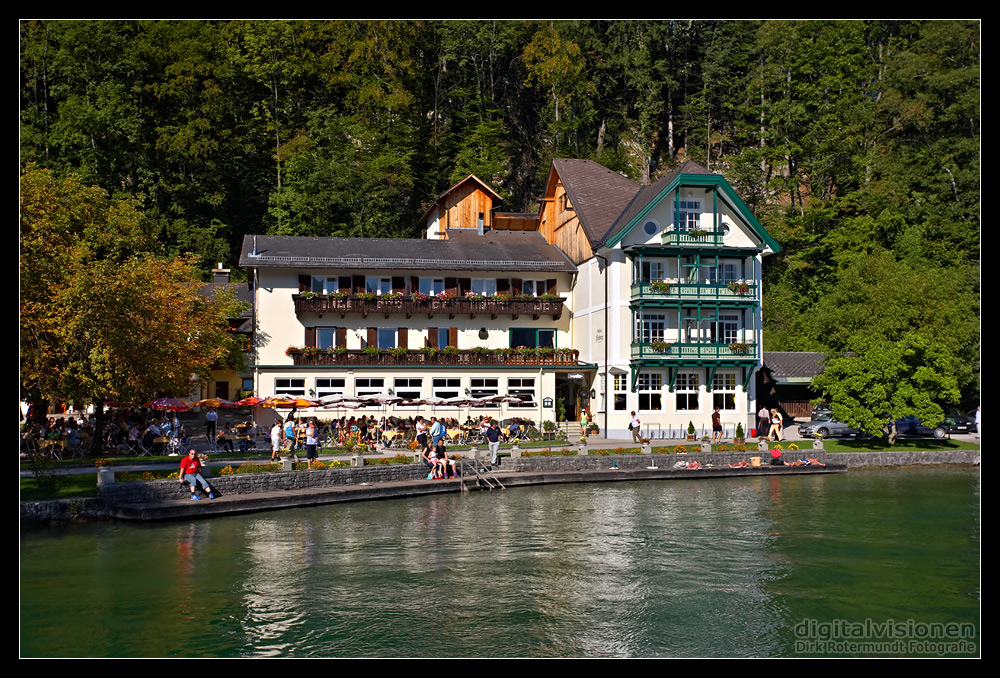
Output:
(825, 426)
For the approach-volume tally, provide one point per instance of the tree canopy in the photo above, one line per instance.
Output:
(104, 316)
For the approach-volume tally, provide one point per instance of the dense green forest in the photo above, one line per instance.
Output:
(856, 142)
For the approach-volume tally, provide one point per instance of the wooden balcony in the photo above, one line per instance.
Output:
(408, 306)
(674, 236)
(693, 351)
(504, 357)
(665, 290)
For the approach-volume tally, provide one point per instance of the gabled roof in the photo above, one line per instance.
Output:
(688, 174)
(472, 177)
(794, 366)
(598, 194)
(495, 251)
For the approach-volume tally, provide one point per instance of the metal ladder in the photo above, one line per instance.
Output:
(485, 478)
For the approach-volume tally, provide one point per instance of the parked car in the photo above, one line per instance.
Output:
(825, 426)
(911, 427)
(958, 422)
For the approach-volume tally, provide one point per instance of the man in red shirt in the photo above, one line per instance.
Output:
(191, 472)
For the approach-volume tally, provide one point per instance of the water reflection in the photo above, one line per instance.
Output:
(698, 568)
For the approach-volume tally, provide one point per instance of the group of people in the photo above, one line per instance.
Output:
(430, 438)
(770, 421)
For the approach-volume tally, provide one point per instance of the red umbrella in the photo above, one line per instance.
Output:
(171, 405)
(251, 401)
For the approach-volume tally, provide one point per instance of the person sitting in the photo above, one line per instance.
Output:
(743, 463)
(776, 459)
(191, 473)
(225, 439)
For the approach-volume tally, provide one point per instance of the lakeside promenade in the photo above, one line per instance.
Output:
(162, 499)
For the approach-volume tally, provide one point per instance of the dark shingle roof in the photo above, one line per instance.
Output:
(597, 194)
(647, 195)
(496, 250)
(796, 365)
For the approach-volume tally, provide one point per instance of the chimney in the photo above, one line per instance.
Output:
(220, 275)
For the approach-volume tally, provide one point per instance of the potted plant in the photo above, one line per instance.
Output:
(691, 430)
(548, 427)
(740, 439)
(659, 287)
(660, 346)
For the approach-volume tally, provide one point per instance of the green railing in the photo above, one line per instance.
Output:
(678, 351)
(664, 289)
(674, 236)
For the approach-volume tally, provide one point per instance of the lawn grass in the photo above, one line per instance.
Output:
(879, 445)
(72, 486)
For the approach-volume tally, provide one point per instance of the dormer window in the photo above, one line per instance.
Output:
(688, 215)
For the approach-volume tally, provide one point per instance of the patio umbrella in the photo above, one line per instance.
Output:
(251, 401)
(171, 405)
(214, 402)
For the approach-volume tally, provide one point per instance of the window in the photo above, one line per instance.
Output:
(386, 337)
(485, 388)
(446, 388)
(326, 387)
(653, 270)
(292, 387)
(378, 285)
(523, 389)
(533, 288)
(326, 337)
(725, 273)
(432, 286)
(486, 287)
(532, 338)
(367, 387)
(650, 387)
(689, 215)
(724, 392)
(727, 330)
(621, 392)
(651, 327)
(687, 392)
(650, 227)
(325, 285)
(408, 389)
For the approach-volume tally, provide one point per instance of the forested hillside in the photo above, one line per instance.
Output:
(856, 143)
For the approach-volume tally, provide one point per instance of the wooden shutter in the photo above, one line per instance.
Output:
(550, 286)
(341, 337)
(465, 286)
(310, 336)
(432, 337)
(515, 286)
(451, 285)
(358, 283)
(414, 285)
(305, 283)
(402, 338)
(373, 336)
(399, 284)
(503, 285)
(453, 336)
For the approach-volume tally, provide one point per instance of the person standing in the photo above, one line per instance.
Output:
(776, 420)
(437, 432)
(311, 441)
(763, 421)
(212, 424)
(493, 439)
(979, 424)
(716, 426)
(276, 441)
(634, 427)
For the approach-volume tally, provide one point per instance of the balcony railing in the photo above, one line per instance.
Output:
(694, 238)
(413, 305)
(663, 289)
(423, 357)
(692, 351)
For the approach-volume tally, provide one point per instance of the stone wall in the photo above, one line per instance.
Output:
(254, 483)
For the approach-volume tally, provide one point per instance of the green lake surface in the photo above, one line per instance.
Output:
(870, 563)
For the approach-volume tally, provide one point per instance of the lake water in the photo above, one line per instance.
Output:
(862, 564)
